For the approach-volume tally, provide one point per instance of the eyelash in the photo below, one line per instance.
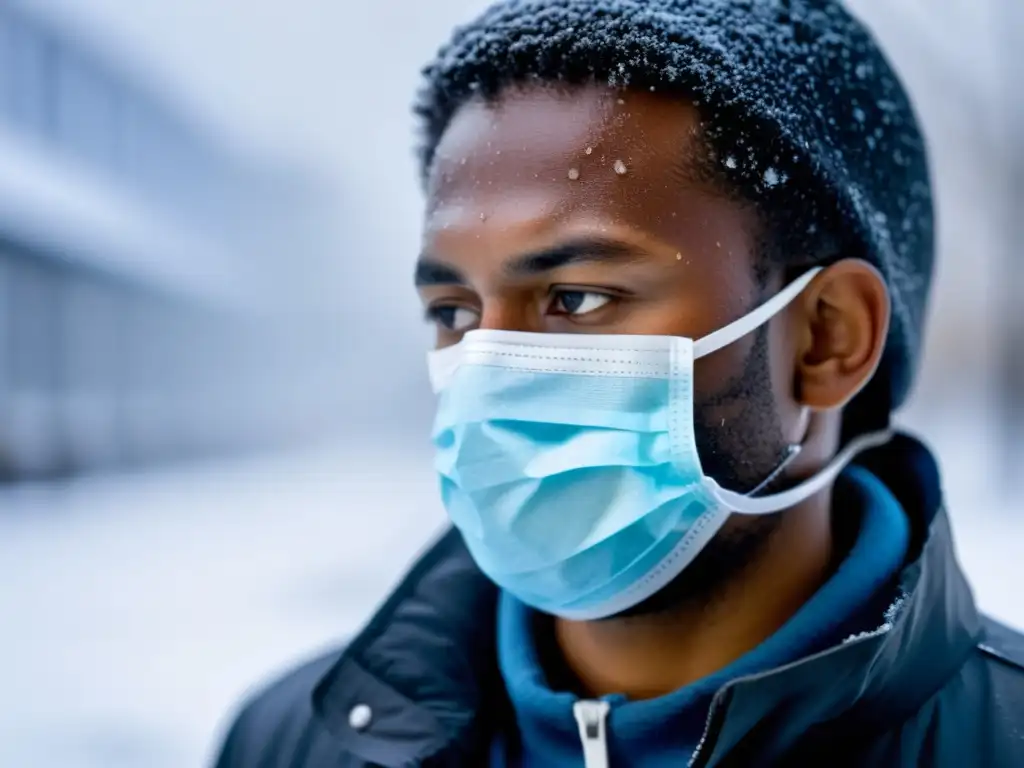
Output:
(600, 294)
(433, 314)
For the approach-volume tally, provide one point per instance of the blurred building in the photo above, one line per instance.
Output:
(137, 262)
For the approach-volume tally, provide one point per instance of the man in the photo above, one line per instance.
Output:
(678, 254)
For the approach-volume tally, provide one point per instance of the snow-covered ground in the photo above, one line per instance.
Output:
(137, 610)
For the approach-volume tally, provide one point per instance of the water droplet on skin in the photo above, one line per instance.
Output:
(483, 217)
(589, 150)
(574, 173)
(620, 167)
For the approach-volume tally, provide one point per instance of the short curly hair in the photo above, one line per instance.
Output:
(733, 158)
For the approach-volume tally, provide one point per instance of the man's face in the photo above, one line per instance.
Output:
(571, 211)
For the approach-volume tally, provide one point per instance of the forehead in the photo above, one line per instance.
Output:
(616, 153)
(541, 166)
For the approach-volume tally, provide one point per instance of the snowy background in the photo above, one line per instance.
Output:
(137, 608)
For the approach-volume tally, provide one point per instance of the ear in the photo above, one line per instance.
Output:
(846, 319)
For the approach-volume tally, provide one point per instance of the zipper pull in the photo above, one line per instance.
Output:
(591, 717)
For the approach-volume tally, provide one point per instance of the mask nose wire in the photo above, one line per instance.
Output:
(792, 451)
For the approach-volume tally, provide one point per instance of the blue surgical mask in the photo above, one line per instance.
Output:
(568, 461)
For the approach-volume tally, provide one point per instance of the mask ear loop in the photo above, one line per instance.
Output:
(735, 331)
(792, 451)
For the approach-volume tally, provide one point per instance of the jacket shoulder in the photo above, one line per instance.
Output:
(276, 726)
(1002, 643)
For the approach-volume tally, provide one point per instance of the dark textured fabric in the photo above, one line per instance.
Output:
(802, 76)
(935, 686)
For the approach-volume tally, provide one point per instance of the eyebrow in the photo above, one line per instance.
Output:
(589, 250)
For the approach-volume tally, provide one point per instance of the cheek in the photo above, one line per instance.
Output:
(721, 380)
(785, 346)
(735, 385)
(717, 374)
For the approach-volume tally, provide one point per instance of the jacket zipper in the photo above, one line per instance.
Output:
(592, 716)
(712, 711)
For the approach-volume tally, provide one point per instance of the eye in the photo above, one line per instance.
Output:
(577, 303)
(453, 317)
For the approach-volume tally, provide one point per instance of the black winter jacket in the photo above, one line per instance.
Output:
(939, 687)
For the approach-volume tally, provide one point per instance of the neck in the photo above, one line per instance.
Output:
(648, 656)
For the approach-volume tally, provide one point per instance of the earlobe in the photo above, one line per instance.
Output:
(846, 322)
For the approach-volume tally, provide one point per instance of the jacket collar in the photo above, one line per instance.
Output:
(878, 678)
(426, 663)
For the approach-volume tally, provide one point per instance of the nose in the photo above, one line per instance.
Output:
(510, 314)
